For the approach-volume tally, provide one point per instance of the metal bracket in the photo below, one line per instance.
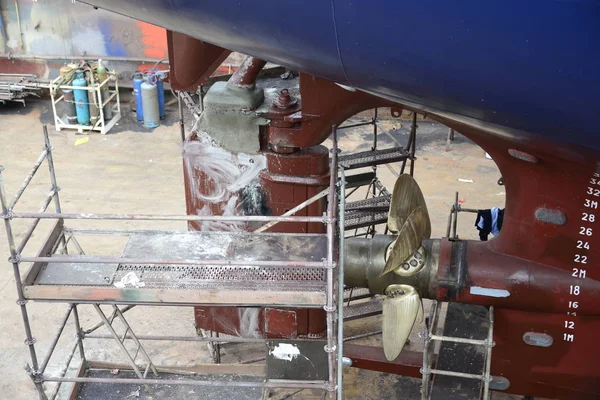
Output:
(456, 274)
(14, 260)
(30, 342)
(36, 376)
(326, 265)
(21, 302)
(327, 220)
(8, 215)
(329, 349)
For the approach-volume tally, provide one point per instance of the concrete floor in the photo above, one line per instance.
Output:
(140, 171)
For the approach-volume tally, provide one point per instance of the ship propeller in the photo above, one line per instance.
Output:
(402, 307)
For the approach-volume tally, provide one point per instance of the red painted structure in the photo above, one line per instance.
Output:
(545, 258)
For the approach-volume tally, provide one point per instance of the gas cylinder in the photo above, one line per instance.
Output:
(71, 110)
(93, 105)
(138, 79)
(150, 105)
(65, 70)
(102, 76)
(160, 86)
(81, 99)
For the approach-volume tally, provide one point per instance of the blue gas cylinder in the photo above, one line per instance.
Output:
(81, 99)
(138, 79)
(160, 86)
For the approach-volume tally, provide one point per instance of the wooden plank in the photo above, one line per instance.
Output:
(83, 294)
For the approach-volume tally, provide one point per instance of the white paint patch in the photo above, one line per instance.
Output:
(88, 40)
(130, 279)
(285, 351)
(249, 322)
(227, 172)
(481, 291)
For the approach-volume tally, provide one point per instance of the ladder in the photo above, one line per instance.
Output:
(117, 313)
(129, 334)
(444, 368)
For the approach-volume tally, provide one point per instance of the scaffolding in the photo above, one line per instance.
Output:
(363, 216)
(176, 276)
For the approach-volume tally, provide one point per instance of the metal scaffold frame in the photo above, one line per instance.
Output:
(109, 98)
(376, 199)
(60, 237)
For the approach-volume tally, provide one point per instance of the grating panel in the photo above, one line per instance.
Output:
(363, 309)
(367, 212)
(236, 280)
(373, 157)
(221, 246)
(221, 277)
(369, 204)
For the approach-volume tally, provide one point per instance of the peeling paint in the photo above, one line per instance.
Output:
(481, 291)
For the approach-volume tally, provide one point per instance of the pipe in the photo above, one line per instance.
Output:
(78, 332)
(340, 317)
(64, 370)
(35, 223)
(182, 338)
(11, 56)
(488, 359)
(362, 335)
(19, 24)
(120, 343)
(245, 76)
(30, 341)
(52, 173)
(117, 260)
(275, 383)
(330, 348)
(101, 324)
(455, 208)
(149, 217)
(413, 133)
(181, 123)
(355, 125)
(56, 338)
(28, 179)
(294, 210)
